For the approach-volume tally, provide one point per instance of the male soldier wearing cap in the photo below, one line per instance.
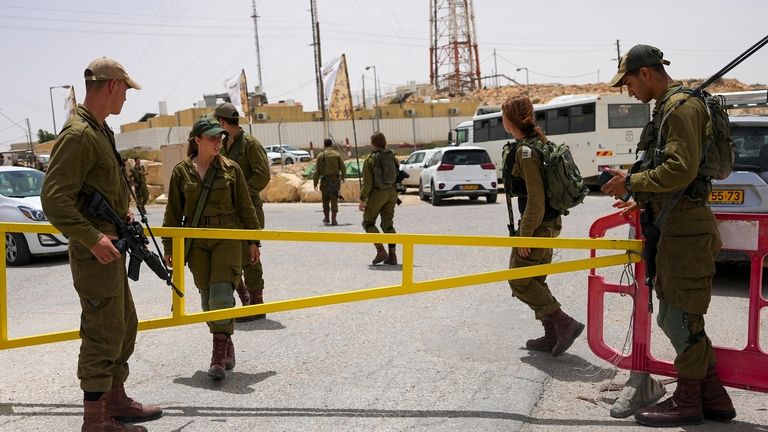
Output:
(248, 152)
(330, 168)
(84, 160)
(673, 195)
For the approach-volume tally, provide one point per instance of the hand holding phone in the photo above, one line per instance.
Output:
(605, 176)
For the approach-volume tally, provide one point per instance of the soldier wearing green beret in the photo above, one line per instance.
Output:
(668, 177)
(84, 160)
(216, 264)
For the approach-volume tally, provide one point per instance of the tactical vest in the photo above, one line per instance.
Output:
(651, 151)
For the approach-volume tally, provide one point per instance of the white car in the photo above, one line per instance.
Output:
(20, 202)
(458, 171)
(413, 166)
(274, 158)
(290, 154)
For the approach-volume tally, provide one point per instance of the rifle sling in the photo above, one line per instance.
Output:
(207, 184)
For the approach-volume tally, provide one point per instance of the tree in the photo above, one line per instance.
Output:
(44, 136)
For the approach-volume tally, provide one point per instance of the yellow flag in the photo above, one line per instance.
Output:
(244, 96)
(340, 106)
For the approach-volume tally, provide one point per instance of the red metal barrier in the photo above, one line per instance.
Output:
(746, 368)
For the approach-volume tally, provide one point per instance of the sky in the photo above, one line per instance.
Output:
(179, 50)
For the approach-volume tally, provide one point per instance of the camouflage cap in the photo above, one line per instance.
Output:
(103, 69)
(207, 126)
(226, 110)
(637, 57)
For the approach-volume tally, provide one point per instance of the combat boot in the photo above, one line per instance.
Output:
(325, 218)
(381, 254)
(242, 292)
(257, 297)
(251, 300)
(218, 356)
(568, 329)
(125, 409)
(546, 342)
(333, 218)
(716, 404)
(95, 418)
(392, 257)
(229, 363)
(683, 408)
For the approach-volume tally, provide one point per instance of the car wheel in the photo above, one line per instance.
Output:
(288, 161)
(491, 198)
(422, 195)
(16, 250)
(435, 198)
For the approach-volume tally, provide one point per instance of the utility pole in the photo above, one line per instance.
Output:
(495, 68)
(618, 59)
(318, 65)
(364, 107)
(255, 18)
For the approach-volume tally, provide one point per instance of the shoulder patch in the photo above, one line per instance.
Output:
(525, 151)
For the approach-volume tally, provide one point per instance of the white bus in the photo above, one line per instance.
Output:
(601, 131)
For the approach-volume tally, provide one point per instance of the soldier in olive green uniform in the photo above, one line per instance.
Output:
(216, 265)
(689, 240)
(330, 168)
(84, 160)
(378, 195)
(537, 219)
(248, 152)
(139, 177)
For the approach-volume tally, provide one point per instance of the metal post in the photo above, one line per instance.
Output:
(376, 96)
(527, 91)
(53, 112)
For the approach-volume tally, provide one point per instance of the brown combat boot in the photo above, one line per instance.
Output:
(96, 419)
(683, 408)
(242, 292)
(392, 257)
(125, 409)
(218, 356)
(229, 363)
(325, 219)
(257, 297)
(715, 402)
(381, 254)
(568, 329)
(546, 342)
(333, 218)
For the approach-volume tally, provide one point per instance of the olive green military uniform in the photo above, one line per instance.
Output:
(377, 201)
(213, 262)
(84, 159)
(139, 176)
(689, 239)
(533, 291)
(329, 171)
(248, 152)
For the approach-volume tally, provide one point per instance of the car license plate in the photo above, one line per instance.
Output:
(469, 187)
(722, 196)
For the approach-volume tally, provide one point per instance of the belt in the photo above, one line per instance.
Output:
(218, 220)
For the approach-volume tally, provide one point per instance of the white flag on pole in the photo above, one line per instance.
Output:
(233, 88)
(70, 103)
(329, 72)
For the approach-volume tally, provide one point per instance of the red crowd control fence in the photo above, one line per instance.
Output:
(745, 368)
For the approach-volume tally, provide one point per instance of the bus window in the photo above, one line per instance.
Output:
(462, 136)
(541, 120)
(557, 121)
(482, 130)
(582, 118)
(497, 130)
(628, 115)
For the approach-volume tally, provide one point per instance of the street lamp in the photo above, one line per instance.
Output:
(376, 96)
(527, 93)
(53, 113)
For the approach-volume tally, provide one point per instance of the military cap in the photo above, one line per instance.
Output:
(226, 110)
(207, 126)
(103, 69)
(637, 57)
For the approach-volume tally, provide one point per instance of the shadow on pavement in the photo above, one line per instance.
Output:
(260, 324)
(234, 383)
(567, 367)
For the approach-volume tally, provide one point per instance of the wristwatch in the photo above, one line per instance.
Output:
(628, 183)
(254, 242)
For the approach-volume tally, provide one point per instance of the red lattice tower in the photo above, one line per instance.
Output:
(453, 58)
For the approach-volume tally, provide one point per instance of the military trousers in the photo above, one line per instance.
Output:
(253, 273)
(692, 345)
(380, 203)
(330, 189)
(216, 267)
(142, 194)
(108, 321)
(534, 291)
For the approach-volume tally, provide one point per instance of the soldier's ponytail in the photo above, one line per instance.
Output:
(519, 111)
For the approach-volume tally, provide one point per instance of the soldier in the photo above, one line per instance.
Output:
(378, 195)
(537, 219)
(216, 265)
(84, 160)
(139, 178)
(673, 196)
(331, 170)
(248, 152)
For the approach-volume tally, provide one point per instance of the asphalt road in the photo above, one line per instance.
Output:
(442, 361)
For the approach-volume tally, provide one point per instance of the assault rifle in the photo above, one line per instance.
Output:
(132, 241)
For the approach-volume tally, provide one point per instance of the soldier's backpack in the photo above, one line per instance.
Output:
(385, 169)
(563, 184)
(718, 155)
